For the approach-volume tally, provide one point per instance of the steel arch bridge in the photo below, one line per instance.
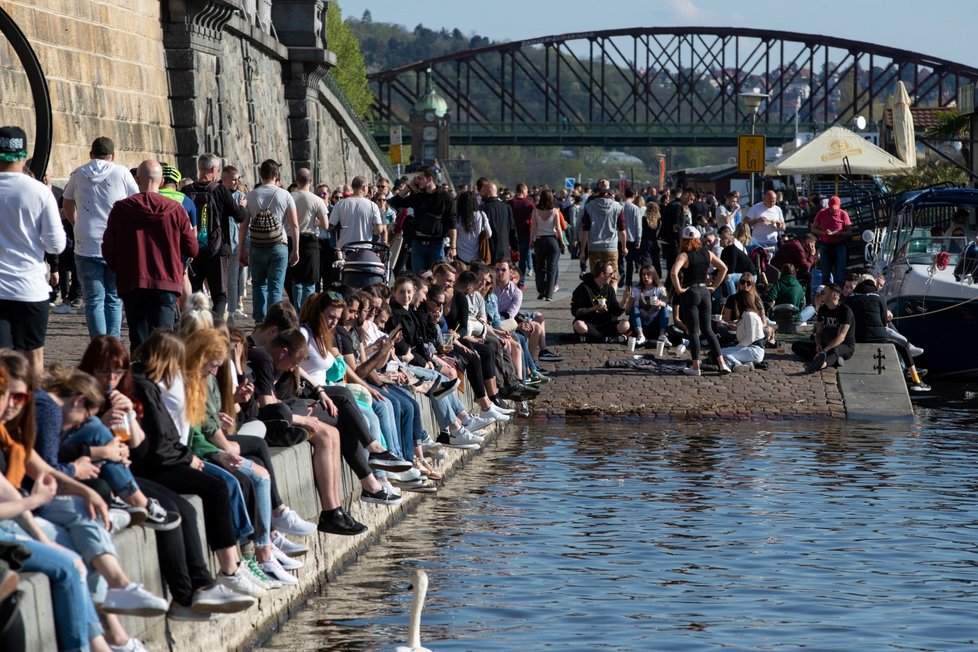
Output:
(667, 86)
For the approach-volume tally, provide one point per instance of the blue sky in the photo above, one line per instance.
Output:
(939, 28)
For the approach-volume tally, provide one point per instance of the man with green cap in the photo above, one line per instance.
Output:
(171, 179)
(30, 226)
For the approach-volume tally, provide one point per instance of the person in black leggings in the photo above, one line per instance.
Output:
(694, 297)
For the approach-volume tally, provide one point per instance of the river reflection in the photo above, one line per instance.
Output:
(826, 535)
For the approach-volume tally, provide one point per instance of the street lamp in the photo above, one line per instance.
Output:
(752, 100)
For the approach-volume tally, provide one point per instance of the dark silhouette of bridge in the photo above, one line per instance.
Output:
(668, 86)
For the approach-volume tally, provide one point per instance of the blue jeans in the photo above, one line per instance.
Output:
(239, 510)
(386, 420)
(833, 257)
(526, 255)
(263, 499)
(408, 421)
(103, 307)
(301, 292)
(76, 530)
(424, 256)
(445, 409)
(75, 620)
(652, 328)
(529, 363)
(267, 277)
(116, 474)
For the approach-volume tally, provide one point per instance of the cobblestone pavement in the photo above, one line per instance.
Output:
(583, 387)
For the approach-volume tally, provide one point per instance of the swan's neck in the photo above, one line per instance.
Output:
(417, 604)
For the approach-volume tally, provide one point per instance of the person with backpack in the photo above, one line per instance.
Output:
(271, 215)
(215, 210)
(433, 219)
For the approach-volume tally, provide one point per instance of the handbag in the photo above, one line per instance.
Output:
(485, 251)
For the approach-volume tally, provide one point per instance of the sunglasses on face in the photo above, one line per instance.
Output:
(19, 397)
(745, 282)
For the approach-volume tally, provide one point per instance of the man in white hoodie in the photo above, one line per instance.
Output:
(89, 195)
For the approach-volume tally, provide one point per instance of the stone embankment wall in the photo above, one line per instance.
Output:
(171, 79)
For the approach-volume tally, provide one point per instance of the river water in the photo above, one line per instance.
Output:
(826, 535)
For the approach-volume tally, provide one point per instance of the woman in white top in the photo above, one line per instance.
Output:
(545, 234)
(472, 223)
(647, 305)
(750, 336)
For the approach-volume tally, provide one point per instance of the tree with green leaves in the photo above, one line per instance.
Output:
(350, 71)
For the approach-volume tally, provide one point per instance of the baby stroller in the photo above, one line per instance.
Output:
(364, 264)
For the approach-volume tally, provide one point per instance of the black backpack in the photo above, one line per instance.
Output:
(209, 233)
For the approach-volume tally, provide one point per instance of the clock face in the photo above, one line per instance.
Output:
(429, 116)
(429, 133)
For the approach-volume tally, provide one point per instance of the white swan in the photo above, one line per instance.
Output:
(417, 604)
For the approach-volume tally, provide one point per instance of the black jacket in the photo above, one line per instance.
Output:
(586, 296)
(162, 447)
(500, 215)
(868, 312)
(411, 333)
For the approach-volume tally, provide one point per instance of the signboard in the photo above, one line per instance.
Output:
(396, 155)
(750, 153)
(396, 135)
(569, 183)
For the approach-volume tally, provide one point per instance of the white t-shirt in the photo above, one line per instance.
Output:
(273, 198)
(727, 216)
(356, 217)
(315, 363)
(310, 208)
(30, 225)
(766, 235)
(750, 328)
(175, 400)
(95, 187)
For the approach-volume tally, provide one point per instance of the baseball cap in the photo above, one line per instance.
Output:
(171, 174)
(691, 233)
(834, 201)
(13, 144)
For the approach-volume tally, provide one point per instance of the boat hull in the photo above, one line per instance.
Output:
(944, 327)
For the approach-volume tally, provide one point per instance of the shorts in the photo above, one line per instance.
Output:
(23, 324)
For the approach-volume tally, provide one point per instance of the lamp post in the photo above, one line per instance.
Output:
(752, 100)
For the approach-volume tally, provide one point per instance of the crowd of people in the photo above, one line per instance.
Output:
(116, 439)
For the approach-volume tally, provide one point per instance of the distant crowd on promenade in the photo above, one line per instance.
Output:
(366, 299)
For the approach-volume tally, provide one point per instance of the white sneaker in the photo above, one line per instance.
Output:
(914, 350)
(64, 309)
(496, 407)
(119, 520)
(134, 600)
(484, 420)
(132, 645)
(494, 414)
(290, 548)
(680, 350)
(274, 570)
(286, 562)
(640, 340)
(243, 582)
(689, 371)
(219, 599)
(747, 366)
(462, 438)
(290, 522)
(391, 489)
(428, 444)
(404, 476)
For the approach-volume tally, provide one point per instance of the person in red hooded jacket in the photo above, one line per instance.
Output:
(147, 239)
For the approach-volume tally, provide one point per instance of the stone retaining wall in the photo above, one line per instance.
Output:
(327, 556)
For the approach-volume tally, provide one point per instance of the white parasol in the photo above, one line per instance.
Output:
(903, 131)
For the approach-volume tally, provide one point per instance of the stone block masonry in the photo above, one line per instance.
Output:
(171, 79)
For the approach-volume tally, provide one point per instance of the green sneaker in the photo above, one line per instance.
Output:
(260, 577)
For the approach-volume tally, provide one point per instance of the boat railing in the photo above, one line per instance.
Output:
(922, 249)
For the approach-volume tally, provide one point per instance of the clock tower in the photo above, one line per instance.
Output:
(429, 126)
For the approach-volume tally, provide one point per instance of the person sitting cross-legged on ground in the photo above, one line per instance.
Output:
(750, 336)
(647, 304)
(834, 334)
(594, 305)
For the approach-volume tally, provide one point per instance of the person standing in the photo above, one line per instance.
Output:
(500, 215)
(91, 192)
(215, 210)
(545, 233)
(270, 216)
(603, 229)
(356, 218)
(523, 207)
(231, 179)
(433, 219)
(147, 238)
(312, 215)
(767, 221)
(833, 228)
(30, 226)
(694, 297)
(633, 234)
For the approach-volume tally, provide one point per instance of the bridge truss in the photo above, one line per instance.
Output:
(667, 86)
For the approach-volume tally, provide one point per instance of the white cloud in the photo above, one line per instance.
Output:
(686, 9)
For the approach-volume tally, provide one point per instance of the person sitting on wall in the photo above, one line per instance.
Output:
(835, 338)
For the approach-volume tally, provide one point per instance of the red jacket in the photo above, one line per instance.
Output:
(146, 240)
(794, 252)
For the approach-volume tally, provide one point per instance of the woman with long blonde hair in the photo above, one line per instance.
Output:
(649, 244)
(694, 298)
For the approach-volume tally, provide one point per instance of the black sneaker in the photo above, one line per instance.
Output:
(380, 497)
(444, 437)
(388, 461)
(159, 519)
(443, 389)
(549, 356)
(336, 521)
(816, 363)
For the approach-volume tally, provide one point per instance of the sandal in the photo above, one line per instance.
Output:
(428, 470)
